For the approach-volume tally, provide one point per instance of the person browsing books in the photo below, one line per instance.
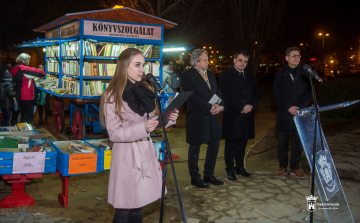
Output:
(202, 122)
(23, 77)
(127, 110)
(241, 96)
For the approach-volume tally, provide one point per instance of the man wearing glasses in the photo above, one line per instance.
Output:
(291, 92)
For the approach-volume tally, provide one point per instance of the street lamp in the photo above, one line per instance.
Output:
(323, 39)
(323, 46)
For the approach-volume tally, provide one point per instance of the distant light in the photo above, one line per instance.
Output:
(44, 49)
(313, 59)
(327, 34)
(255, 42)
(320, 34)
(204, 47)
(189, 54)
(211, 61)
(182, 54)
(174, 49)
(177, 61)
(350, 48)
(210, 47)
(217, 51)
(212, 51)
(301, 44)
(118, 7)
(332, 61)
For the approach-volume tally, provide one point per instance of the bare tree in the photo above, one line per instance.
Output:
(159, 8)
(255, 23)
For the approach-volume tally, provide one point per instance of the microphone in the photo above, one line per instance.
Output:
(312, 73)
(151, 79)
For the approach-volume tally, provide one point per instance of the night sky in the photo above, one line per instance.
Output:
(306, 19)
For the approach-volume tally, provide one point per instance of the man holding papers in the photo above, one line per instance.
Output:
(202, 122)
(241, 96)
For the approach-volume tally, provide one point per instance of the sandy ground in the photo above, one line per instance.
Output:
(88, 193)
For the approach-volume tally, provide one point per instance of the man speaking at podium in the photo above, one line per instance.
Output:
(202, 122)
(291, 92)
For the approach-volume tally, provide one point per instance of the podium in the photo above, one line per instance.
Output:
(332, 197)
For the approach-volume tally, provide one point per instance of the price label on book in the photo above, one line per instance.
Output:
(29, 162)
(82, 163)
(107, 159)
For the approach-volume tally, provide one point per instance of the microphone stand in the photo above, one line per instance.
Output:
(317, 124)
(168, 156)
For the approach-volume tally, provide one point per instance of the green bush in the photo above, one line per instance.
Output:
(337, 91)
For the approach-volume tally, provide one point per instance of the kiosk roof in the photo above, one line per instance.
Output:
(120, 15)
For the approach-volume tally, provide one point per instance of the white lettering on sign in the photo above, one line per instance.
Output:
(29, 162)
(111, 29)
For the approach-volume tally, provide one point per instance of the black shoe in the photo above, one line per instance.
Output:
(199, 183)
(241, 171)
(231, 176)
(213, 180)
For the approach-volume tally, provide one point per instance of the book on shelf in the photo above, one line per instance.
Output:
(70, 49)
(115, 49)
(152, 67)
(52, 66)
(99, 69)
(52, 51)
(72, 85)
(94, 88)
(71, 67)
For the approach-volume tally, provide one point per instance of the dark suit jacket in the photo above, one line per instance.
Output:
(289, 93)
(201, 126)
(237, 93)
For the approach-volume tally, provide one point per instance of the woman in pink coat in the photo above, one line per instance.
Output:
(127, 111)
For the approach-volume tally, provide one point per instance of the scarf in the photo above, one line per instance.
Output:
(139, 98)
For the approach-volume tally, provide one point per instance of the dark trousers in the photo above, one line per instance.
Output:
(128, 216)
(27, 110)
(283, 149)
(47, 108)
(6, 115)
(234, 149)
(210, 159)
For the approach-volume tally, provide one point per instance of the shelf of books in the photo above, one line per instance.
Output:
(81, 56)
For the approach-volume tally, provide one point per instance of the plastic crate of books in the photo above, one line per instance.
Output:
(17, 158)
(104, 148)
(44, 144)
(75, 158)
(8, 129)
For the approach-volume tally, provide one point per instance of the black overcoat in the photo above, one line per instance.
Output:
(238, 92)
(201, 126)
(289, 93)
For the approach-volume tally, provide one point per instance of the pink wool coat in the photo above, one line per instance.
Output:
(135, 173)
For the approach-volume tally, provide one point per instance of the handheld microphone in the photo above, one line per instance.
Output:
(312, 73)
(151, 79)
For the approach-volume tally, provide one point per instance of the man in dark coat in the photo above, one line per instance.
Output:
(241, 96)
(202, 123)
(291, 92)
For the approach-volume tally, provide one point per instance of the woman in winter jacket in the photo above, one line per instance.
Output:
(23, 77)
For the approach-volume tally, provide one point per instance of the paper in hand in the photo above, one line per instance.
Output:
(215, 100)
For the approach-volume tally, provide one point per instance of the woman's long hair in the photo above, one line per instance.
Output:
(115, 90)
